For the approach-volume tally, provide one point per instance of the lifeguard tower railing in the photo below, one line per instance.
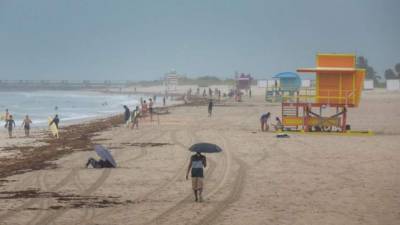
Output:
(297, 110)
(277, 93)
(332, 98)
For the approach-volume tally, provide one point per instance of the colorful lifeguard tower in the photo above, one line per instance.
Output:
(338, 87)
(289, 85)
(243, 82)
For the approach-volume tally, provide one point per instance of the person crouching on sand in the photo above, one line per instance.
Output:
(27, 125)
(10, 124)
(197, 164)
(99, 163)
(264, 121)
(278, 126)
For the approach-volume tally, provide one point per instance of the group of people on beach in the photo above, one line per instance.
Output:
(26, 123)
(10, 124)
(131, 118)
(264, 122)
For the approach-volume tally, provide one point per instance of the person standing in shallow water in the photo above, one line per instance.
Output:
(27, 125)
(10, 124)
(6, 115)
(196, 165)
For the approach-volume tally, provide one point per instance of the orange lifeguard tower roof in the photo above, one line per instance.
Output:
(338, 80)
(326, 69)
(332, 62)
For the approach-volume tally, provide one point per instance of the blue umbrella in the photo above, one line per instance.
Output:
(205, 148)
(105, 154)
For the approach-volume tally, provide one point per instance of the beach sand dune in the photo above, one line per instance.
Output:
(257, 179)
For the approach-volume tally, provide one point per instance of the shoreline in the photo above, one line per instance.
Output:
(74, 136)
(85, 118)
(257, 177)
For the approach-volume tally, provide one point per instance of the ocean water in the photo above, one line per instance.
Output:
(69, 105)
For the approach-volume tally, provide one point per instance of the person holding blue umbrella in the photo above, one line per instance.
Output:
(197, 164)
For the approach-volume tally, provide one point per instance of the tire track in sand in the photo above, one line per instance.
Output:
(51, 216)
(90, 219)
(163, 185)
(72, 176)
(162, 218)
(63, 182)
(235, 192)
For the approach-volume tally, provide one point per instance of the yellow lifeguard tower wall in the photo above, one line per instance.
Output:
(338, 81)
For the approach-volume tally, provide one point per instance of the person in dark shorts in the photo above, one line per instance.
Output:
(10, 124)
(99, 163)
(127, 114)
(197, 164)
(264, 121)
(55, 120)
(27, 125)
(151, 109)
(210, 107)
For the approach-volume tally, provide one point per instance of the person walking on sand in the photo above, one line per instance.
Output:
(55, 120)
(151, 109)
(10, 124)
(264, 121)
(163, 101)
(127, 114)
(210, 107)
(196, 165)
(135, 118)
(144, 108)
(26, 123)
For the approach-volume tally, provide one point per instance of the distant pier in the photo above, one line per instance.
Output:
(9, 85)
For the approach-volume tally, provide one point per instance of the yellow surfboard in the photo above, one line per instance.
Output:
(53, 128)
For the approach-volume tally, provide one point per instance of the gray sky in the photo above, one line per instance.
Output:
(141, 40)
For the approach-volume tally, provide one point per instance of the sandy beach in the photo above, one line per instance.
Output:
(257, 179)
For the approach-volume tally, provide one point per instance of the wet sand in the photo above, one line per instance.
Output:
(257, 179)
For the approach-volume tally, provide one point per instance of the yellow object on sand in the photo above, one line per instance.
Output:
(53, 128)
(347, 133)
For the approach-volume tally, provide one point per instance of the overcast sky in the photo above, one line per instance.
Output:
(142, 40)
